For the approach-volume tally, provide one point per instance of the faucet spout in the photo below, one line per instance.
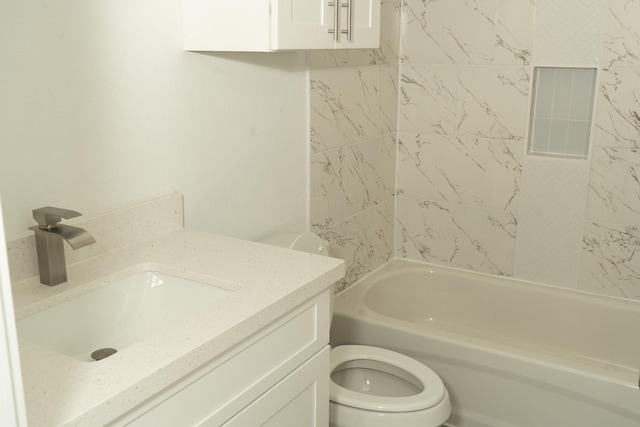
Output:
(49, 237)
(75, 236)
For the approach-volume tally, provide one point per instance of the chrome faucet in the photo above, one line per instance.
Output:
(49, 237)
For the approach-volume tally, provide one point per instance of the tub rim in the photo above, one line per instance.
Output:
(350, 303)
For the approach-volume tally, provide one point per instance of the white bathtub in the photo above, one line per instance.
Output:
(511, 353)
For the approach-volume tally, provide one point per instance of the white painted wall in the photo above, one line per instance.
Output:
(12, 405)
(99, 106)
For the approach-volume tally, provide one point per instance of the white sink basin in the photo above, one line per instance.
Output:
(119, 314)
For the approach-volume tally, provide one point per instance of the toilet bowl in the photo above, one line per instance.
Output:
(375, 387)
(371, 386)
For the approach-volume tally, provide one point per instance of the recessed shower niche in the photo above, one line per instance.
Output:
(562, 111)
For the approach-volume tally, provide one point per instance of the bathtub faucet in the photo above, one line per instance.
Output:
(49, 238)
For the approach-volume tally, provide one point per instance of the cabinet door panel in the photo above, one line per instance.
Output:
(300, 399)
(232, 25)
(365, 25)
(271, 25)
(301, 24)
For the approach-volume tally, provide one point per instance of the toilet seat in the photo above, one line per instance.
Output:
(433, 389)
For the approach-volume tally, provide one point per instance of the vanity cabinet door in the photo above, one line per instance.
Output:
(300, 399)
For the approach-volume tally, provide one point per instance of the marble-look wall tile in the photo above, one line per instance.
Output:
(352, 241)
(344, 106)
(387, 53)
(611, 260)
(614, 186)
(569, 32)
(514, 32)
(477, 239)
(471, 171)
(370, 173)
(617, 117)
(424, 231)
(484, 239)
(439, 168)
(428, 98)
(345, 58)
(328, 200)
(329, 59)
(493, 102)
(551, 220)
(354, 119)
(622, 34)
(390, 30)
(388, 98)
(462, 119)
(503, 173)
(384, 226)
(448, 32)
(361, 57)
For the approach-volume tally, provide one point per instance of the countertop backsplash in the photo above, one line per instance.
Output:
(115, 229)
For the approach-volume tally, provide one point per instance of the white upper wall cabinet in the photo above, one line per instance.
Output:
(277, 25)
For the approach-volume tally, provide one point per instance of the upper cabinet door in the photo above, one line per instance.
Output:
(301, 24)
(271, 25)
(226, 25)
(311, 24)
(360, 24)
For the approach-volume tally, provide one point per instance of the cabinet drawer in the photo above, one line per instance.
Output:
(230, 382)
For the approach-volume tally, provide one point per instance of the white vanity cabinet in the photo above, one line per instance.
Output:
(277, 25)
(277, 377)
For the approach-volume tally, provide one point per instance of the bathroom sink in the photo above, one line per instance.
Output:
(119, 314)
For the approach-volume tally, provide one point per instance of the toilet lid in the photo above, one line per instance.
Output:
(431, 395)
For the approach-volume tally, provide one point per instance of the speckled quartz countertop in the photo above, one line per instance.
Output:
(270, 282)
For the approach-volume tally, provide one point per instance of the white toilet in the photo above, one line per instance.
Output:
(371, 386)
(375, 387)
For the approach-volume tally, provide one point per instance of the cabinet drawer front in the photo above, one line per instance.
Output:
(219, 391)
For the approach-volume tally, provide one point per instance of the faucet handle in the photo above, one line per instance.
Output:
(48, 216)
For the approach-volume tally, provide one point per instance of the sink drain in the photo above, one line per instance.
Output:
(102, 353)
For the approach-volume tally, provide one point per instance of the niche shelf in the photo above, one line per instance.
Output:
(562, 111)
